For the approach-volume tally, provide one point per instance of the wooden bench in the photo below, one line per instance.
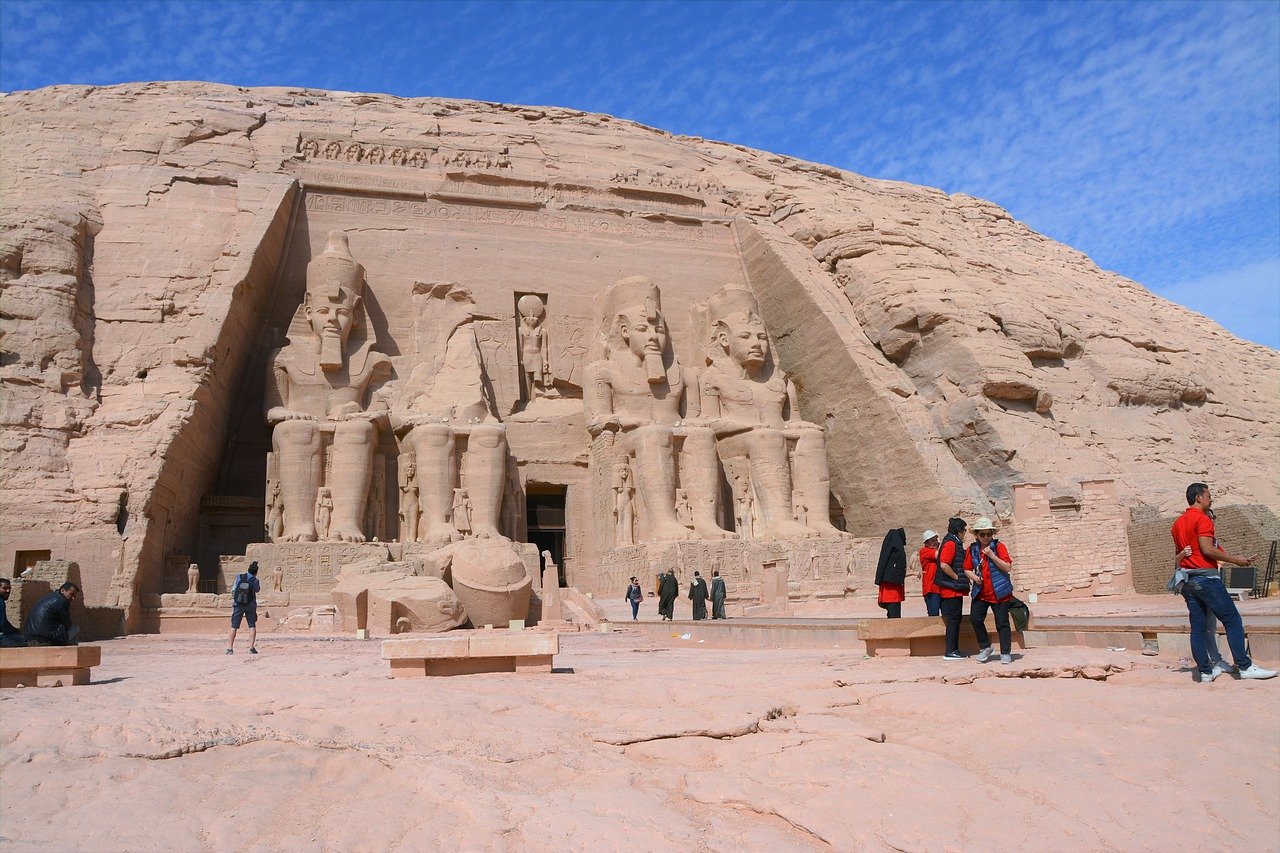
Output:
(471, 652)
(48, 666)
(923, 636)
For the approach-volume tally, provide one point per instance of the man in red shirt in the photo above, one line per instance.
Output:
(928, 571)
(1204, 590)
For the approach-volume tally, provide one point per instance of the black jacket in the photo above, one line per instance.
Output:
(892, 567)
(50, 619)
(6, 628)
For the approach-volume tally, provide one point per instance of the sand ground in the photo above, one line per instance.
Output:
(310, 746)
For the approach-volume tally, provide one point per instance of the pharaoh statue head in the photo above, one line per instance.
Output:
(735, 332)
(632, 320)
(335, 284)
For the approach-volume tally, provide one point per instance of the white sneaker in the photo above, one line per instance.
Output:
(1208, 677)
(1006, 658)
(1255, 671)
(984, 655)
(1221, 668)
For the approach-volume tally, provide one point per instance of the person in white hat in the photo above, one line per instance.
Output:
(928, 572)
(987, 563)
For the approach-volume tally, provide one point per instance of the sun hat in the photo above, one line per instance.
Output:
(929, 534)
(983, 523)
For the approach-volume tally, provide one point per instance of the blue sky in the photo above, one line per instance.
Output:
(1147, 135)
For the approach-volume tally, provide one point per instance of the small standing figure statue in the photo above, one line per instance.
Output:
(535, 351)
(462, 512)
(277, 579)
(193, 579)
(624, 492)
(324, 511)
(275, 513)
(743, 520)
(801, 511)
(684, 512)
(409, 503)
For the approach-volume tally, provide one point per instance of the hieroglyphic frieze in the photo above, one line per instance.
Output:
(554, 221)
(406, 155)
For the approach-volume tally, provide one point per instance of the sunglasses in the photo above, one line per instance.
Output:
(984, 533)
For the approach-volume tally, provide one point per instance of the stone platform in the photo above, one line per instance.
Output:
(48, 666)
(471, 652)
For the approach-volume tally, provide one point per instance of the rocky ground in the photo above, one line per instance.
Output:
(311, 746)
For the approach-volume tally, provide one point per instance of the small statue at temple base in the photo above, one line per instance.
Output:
(535, 351)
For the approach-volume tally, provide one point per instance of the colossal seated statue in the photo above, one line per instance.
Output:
(446, 416)
(751, 405)
(637, 394)
(317, 399)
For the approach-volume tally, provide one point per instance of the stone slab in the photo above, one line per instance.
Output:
(48, 666)
(518, 644)
(422, 648)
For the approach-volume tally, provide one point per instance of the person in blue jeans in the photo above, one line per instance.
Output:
(1204, 591)
(635, 595)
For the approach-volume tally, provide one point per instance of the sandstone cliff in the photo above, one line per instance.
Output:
(949, 350)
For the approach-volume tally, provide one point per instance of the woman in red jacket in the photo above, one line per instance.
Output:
(987, 564)
(928, 572)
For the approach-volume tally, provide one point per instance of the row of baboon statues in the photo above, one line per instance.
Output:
(672, 437)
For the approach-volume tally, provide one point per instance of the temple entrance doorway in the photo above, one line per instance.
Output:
(545, 516)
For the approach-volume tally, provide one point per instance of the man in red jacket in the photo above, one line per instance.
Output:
(1204, 590)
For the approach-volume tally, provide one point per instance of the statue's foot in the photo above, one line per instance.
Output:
(671, 532)
(299, 536)
(828, 530)
(789, 529)
(441, 534)
(343, 533)
(711, 531)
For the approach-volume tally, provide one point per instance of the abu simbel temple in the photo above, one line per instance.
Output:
(416, 358)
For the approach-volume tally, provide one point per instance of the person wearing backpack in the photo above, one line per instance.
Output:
(987, 563)
(953, 586)
(244, 606)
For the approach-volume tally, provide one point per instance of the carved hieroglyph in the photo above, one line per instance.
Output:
(445, 406)
(317, 399)
(751, 405)
(637, 394)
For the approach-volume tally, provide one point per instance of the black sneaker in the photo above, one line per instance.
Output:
(230, 652)
(252, 650)
(955, 656)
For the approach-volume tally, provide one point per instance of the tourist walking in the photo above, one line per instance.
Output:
(668, 591)
(635, 595)
(929, 572)
(1204, 590)
(698, 594)
(49, 623)
(953, 586)
(718, 595)
(244, 606)
(988, 566)
(891, 573)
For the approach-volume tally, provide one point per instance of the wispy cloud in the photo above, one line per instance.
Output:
(1145, 134)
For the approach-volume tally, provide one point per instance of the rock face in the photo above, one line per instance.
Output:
(154, 242)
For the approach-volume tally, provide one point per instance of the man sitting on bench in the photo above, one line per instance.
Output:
(50, 621)
(10, 636)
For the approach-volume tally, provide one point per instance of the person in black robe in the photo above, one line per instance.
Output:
(698, 595)
(891, 572)
(668, 591)
(718, 594)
